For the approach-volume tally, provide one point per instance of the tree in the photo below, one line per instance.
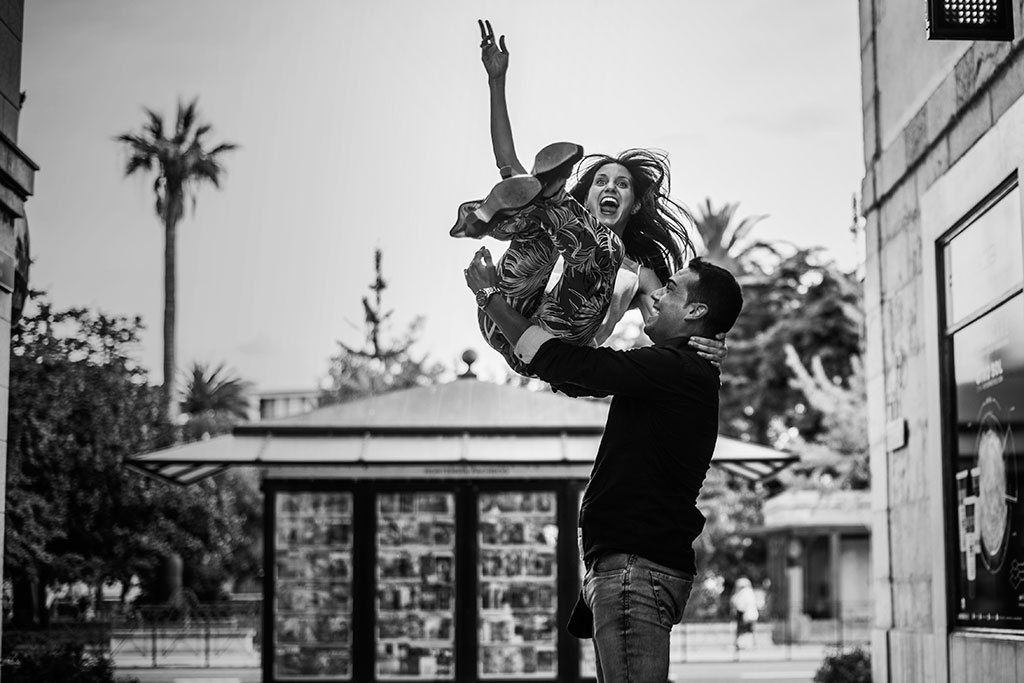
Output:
(808, 303)
(382, 366)
(80, 404)
(799, 308)
(837, 458)
(724, 241)
(182, 162)
(214, 401)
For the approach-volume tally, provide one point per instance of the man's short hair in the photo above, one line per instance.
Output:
(716, 287)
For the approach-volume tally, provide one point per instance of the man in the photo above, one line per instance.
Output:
(639, 516)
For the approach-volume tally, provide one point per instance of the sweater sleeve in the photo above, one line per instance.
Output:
(650, 372)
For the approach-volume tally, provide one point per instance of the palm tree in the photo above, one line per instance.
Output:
(724, 241)
(181, 163)
(214, 401)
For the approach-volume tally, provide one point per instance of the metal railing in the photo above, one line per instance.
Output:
(786, 637)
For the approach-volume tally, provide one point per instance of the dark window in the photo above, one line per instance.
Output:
(982, 264)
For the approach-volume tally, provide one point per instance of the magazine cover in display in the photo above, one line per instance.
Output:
(518, 626)
(312, 585)
(416, 585)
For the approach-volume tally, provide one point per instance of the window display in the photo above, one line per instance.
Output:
(415, 585)
(988, 359)
(518, 536)
(312, 585)
(984, 341)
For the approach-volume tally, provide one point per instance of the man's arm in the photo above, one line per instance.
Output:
(644, 372)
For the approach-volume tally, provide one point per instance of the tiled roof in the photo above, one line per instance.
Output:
(464, 405)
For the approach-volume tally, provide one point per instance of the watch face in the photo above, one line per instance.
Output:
(484, 295)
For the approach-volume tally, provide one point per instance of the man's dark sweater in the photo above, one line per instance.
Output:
(656, 449)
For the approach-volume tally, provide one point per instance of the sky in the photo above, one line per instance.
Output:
(363, 124)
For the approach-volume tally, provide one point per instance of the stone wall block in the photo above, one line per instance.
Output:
(8, 118)
(942, 105)
(880, 570)
(879, 653)
(916, 136)
(966, 74)
(925, 543)
(10, 65)
(872, 238)
(867, 25)
(1008, 87)
(897, 269)
(876, 416)
(934, 165)
(957, 660)
(892, 167)
(998, 658)
(869, 127)
(881, 595)
(912, 604)
(969, 127)
(901, 531)
(868, 85)
(5, 360)
(901, 209)
(12, 15)
(867, 189)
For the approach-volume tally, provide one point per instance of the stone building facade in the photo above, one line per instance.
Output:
(17, 173)
(943, 150)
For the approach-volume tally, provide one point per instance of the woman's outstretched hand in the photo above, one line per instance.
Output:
(714, 350)
(493, 54)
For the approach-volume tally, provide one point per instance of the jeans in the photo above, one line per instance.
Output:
(635, 604)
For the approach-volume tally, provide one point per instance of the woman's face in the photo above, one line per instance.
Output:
(610, 198)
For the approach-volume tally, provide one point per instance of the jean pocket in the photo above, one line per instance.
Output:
(670, 594)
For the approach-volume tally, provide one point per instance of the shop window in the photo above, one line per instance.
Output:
(982, 264)
(517, 600)
(416, 586)
(313, 586)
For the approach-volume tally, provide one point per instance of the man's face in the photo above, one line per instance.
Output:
(673, 312)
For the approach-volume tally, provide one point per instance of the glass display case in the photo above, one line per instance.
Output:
(517, 598)
(415, 586)
(312, 636)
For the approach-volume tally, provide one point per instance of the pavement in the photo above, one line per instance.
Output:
(690, 672)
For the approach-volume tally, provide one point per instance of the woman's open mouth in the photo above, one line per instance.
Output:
(608, 206)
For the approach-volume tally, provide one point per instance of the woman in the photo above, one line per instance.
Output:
(617, 232)
(744, 607)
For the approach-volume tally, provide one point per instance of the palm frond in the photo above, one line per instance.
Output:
(137, 162)
(744, 228)
(223, 147)
(187, 115)
(155, 125)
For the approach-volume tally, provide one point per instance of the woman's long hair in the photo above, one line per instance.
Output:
(656, 235)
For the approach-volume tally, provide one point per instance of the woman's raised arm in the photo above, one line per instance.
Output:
(495, 58)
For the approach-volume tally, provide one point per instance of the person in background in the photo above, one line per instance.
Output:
(744, 607)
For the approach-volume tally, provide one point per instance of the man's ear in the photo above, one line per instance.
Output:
(696, 310)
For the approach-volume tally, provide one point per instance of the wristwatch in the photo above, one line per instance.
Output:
(484, 295)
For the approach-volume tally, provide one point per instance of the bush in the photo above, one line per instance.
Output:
(845, 667)
(67, 663)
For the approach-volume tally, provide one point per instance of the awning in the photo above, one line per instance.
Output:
(465, 423)
(189, 463)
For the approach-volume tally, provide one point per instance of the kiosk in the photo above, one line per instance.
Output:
(424, 534)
